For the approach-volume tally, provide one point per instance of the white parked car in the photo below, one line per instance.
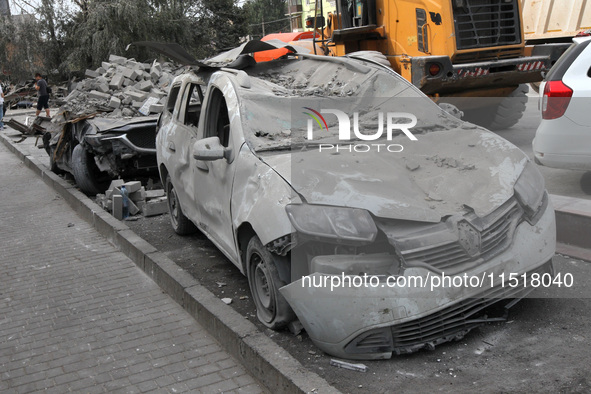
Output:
(563, 139)
(262, 161)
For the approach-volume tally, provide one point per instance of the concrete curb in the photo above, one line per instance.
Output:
(274, 367)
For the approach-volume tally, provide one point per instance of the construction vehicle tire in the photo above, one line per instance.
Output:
(502, 115)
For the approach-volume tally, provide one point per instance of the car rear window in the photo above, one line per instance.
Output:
(568, 57)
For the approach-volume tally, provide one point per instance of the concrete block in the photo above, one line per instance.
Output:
(141, 205)
(127, 112)
(91, 74)
(98, 95)
(140, 195)
(114, 102)
(144, 86)
(109, 194)
(155, 207)
(130, 73)
(116, 183)
(117, 59)
(101, 70)
(132, 186)
(154, 74)
(155, 193)
(145, 108)
(127, 82)
(116, 82)
(156, 108)
(135, 95)
(137, 104)
(118, 206)
(106, 65)
(102, 87)
(133, 209)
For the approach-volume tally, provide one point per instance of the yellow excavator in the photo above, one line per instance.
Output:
(471, 53)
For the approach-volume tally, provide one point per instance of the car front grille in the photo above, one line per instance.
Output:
(448, 324)
(486, 23)
(494, 238)
(144, 137)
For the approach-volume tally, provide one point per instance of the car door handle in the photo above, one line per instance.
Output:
(171, 146)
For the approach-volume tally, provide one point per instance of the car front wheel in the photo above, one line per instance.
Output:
(264, 281)
(180, 223)
(87, 175)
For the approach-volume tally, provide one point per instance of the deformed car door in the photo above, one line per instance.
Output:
(214, 179)
(178, 143)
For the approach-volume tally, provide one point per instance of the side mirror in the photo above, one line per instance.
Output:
(210, 149)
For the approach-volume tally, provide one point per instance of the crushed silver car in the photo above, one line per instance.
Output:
(343, 228)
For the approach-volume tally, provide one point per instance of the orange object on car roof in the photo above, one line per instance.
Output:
(285, 37)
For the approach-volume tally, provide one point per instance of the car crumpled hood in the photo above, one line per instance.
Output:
(436, 176)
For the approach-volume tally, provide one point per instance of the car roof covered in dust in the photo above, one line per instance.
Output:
(272, 104)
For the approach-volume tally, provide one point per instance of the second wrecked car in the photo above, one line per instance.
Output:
(96, 150)
(281, 166)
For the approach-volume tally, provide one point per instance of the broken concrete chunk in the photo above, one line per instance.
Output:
(98, 95)
(114, 102)
(137, 104)
(106, 65)
(156, 108)
(116, 82)
(103, 87)
(133, 209)
(117, 59)
(91, 74)
(227, 301)
(116, 183)
(155, 207)
(145, 108)
(140, 195)
(132, 186)
(118, 206)
(155, 193)
(135, 95)
(145, 86)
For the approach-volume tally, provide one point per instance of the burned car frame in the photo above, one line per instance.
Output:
(96, 150)
(240, 151)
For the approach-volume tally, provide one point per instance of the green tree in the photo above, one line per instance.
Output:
(224, 25)
(266, 17)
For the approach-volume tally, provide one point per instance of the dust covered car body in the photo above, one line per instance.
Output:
(259, 160)
(96, 150)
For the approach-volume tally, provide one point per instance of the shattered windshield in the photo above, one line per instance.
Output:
(310, 101)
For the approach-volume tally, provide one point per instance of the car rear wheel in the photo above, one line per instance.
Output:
(264, 281)
(180, 223)
(87, 175)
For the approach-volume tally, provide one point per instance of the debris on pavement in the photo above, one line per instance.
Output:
(346, 365)
(227, 301)
(140, 199)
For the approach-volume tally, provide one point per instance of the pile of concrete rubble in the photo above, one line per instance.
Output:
(121, 87)
(147, 202)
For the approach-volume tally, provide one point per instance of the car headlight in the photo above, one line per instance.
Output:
(332, 223)
(529, 189)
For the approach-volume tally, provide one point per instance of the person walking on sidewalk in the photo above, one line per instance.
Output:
(43, 99)
(1, 107)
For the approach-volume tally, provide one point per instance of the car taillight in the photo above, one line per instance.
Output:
(556, 99)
